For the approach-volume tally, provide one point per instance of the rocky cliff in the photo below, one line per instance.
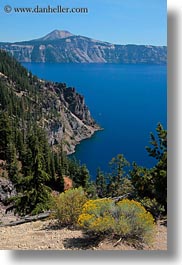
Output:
(73, 123)
(7, 190)
(59, 109)
(65, 47)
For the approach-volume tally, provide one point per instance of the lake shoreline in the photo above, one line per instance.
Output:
(127, 101)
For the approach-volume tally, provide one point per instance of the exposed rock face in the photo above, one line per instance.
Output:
(7, 190)
(74, 122)
(60, 110)
(56, 35)
(64, 47)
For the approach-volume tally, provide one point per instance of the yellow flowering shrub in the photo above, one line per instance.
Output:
(127, 219)
(68, 206)
(139, 222)
(96, 216)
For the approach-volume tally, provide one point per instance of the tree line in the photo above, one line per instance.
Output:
(36, 168)
(146, 185)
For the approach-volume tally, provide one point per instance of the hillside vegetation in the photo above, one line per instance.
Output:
(40, 123)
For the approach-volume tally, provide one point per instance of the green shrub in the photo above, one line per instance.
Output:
(96, 216)
(126, 219)
(68, 205)
(151, 205)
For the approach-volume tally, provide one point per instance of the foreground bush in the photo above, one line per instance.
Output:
(125, 219)
(151, 205)
(68, 205)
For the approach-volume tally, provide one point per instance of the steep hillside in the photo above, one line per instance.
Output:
(65, 47)
(58, 109)
(40, 122)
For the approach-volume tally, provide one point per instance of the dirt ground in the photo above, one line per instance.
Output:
(46, 235)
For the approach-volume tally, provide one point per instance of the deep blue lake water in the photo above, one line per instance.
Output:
(126, 100)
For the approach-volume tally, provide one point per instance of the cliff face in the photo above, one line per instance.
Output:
(60, 110)
(7, 190)
(73, 123)
(64, 47)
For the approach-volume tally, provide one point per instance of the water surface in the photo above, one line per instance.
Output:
(126, 100)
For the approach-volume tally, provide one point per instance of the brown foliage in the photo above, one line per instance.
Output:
(68, 183)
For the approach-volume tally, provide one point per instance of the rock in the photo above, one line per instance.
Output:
(7, 190)
(65, 47)
(62, 112)
(74, 121)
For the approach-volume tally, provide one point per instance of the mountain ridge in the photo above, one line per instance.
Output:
(56, 34)
(64, 47)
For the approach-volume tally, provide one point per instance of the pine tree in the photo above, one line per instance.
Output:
(117, 165)
(117, 176)
(20, 146)
(5, 135)
(34, 194)
(12, 164)
(60, 183)
(159, 172)
(101, 184)
(63, 162)
(52, 166)
(151, 184)
(56, 181)
(143, 181)
(84, 176)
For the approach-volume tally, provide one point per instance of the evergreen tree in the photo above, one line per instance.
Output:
(52, 166)
(20, 146)
(60, 183)
(143, 181)
(159, 172)
(117, 176)
(151, 184)
(84, 176)
(56, 181)
(64, 164)
(91, 190)
(74, 167)
(26, 105)
(80, 176)
(127, 187)
(5, 135)
(12, 164)
(34, 194)
(101, 184)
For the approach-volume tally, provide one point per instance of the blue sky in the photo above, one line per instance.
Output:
(115, 21)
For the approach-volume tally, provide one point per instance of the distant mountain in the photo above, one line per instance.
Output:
(56, 35)
(64, 47)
